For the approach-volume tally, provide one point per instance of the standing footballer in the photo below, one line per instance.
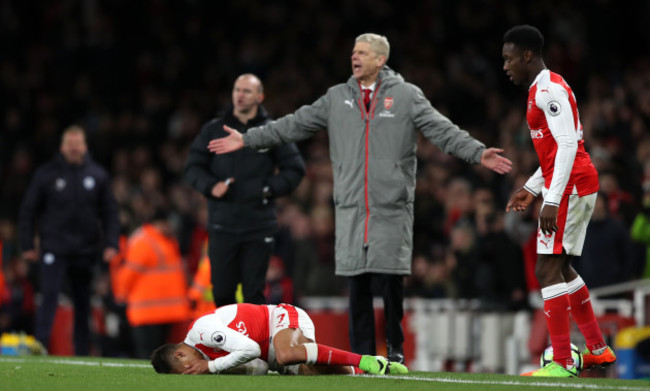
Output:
(568, 182)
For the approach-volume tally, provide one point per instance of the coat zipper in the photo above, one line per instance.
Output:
(367, 115)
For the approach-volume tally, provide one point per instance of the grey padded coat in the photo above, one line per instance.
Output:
(374, 164)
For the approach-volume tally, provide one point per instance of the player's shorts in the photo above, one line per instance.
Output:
(285, 316)
(573, 217)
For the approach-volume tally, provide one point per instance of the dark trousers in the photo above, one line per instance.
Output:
(79, 273)
(239, 258)
(148, 338)
(362, 315)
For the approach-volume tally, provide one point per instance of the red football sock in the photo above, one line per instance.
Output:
(556, 308)
(583, 314)
(330, 356)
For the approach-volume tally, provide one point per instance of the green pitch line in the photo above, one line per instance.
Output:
(51, 373)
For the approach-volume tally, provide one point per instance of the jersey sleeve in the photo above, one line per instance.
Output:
(554, 102)
(210, 331)
(535, 183)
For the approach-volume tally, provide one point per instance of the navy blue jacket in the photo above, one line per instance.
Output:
(71, 207)
(242, 209)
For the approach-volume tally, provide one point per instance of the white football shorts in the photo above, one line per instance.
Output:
(573, 218)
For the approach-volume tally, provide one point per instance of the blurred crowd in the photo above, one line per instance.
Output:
(142, 77)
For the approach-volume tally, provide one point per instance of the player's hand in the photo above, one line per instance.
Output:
(495, 162)
(30, 255)
(548, 219)
(222, 187)
(520, 200)
(198, 367)
(109, 253)
(232, 142)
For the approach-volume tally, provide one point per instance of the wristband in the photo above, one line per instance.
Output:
(227, 182)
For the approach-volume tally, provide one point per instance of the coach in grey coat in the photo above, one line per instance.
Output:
(372, 149)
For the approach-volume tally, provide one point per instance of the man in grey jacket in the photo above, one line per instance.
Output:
(372, 122)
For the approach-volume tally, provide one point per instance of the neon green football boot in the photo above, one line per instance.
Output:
(395, 368)
(374, 365)
(553, 369)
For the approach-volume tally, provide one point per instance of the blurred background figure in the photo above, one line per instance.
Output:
(641, 227)
(607, 256)
(153, 284)
(241, 189)
(70, 207)
(279, 287)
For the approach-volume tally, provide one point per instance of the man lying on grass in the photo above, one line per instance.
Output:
(252, 339)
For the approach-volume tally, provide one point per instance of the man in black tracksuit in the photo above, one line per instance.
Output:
(70, 204)
(240, 189)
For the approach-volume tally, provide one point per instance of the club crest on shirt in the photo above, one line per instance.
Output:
(554, 108)
(218, 338)
(388, 103)
(89, 182)
(59, 184)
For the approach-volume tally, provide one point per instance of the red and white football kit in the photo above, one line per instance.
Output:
(566, 176)
(567, 179)
(239, 333)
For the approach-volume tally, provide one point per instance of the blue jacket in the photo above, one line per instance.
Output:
(72, 208)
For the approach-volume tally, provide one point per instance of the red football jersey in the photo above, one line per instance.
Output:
(552, 116)
(233, 333)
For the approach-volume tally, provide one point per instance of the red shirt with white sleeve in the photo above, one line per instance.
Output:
(556, 131)
(232, 335)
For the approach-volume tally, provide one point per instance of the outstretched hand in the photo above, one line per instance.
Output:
(520, 200)
(495, 162)
(232, 142)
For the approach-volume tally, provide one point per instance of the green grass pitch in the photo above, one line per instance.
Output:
(98, 374)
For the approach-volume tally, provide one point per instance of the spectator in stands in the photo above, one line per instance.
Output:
(241, 190)
(374, 176)
(641, 228)
(501, 266)
(607, 253)
(70, 206)
(279, 287)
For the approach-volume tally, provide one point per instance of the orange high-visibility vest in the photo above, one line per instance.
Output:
(153, 279)
(201, 290)
(115, 266)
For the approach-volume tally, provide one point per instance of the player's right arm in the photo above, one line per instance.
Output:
(256, 367)
(525, 195)
(211, 332)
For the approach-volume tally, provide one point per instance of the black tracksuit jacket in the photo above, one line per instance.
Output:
(71, 207)
(242, 209)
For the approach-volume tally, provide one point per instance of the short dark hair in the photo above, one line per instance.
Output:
(526, 37)
(161, 358)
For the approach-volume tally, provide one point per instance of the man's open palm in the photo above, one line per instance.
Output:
(232, 142)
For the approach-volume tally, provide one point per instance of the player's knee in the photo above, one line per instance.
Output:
(288, 356)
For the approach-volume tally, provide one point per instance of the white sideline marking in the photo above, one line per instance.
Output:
(77, 362)
(425, 379)
(512, 383)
